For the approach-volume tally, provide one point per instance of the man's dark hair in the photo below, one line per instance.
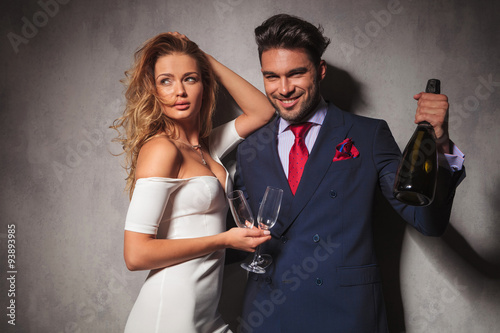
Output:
(290, 32)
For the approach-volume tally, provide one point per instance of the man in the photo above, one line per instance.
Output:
(325, 276)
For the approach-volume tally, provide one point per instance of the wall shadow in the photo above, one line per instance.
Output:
(226, 109)
(342, 89)
(388, 234)
(461, 246)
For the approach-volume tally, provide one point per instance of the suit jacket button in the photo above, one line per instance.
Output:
(268, 279)
(283, 239)
(319, 282)
(333, 194)
(316, 238)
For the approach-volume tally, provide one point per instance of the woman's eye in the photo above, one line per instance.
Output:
(165, 81)
(191, 79)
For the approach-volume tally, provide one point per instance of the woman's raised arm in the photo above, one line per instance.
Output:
(257, 110)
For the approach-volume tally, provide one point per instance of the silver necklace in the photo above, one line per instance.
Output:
(198, 148)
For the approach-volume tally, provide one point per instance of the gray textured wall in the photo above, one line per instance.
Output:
(63, 190)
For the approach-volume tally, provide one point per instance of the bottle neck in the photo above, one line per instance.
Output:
(424, 123)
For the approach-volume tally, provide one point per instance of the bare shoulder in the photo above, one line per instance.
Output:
(159, 157)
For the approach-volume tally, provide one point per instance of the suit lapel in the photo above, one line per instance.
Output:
(333, 131)
(268, 160)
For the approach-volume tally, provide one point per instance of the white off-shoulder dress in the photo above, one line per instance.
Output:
(182, 298)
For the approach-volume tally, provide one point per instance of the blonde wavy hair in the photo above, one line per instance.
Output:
(143, 118)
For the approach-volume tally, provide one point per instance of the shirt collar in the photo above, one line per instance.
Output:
(317, 117)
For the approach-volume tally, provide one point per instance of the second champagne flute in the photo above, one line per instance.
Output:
(268, 214)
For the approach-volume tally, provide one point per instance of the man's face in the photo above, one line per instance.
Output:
(291, 82)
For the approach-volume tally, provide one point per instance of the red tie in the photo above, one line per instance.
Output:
(298, 155)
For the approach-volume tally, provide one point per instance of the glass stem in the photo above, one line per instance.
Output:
(256, 256)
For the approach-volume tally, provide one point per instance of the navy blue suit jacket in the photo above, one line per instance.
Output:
(325, 276)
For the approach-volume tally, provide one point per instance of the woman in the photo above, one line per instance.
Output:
(176, 219)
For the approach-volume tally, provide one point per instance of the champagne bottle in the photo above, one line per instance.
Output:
(417, 172)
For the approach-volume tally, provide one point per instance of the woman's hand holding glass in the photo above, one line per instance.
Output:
(268, 214)
(241, 239)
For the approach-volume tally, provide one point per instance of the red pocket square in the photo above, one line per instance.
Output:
(345, 150)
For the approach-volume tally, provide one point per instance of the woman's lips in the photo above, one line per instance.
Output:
(181, 106)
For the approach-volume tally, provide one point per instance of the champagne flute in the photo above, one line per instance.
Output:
(240, 209)
(244, 219)
(267, 216)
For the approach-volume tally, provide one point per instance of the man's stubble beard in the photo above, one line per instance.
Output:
(305, 111)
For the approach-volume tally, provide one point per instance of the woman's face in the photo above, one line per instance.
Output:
(179, 85)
